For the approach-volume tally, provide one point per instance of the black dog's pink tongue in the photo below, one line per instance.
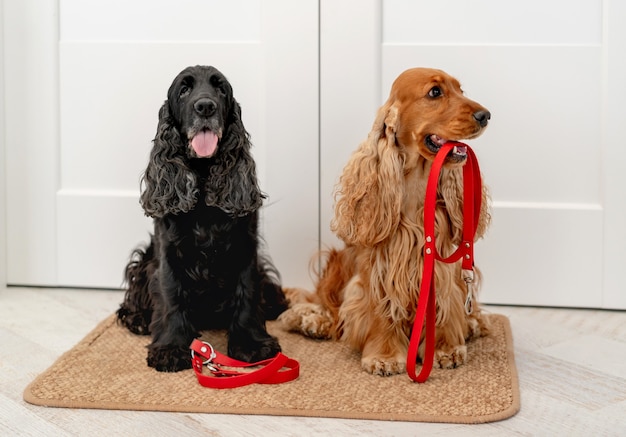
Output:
(204, 143)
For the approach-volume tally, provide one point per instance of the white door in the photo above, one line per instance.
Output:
(551, 72)
(84, 82)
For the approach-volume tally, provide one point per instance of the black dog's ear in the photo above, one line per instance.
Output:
(232, 184)
(169, 186)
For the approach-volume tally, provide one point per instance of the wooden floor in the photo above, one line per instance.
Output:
(571, 364)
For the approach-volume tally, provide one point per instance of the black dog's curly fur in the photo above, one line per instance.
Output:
(202, 268)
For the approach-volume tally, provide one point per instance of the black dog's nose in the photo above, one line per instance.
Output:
(205, 107)
(482, 117)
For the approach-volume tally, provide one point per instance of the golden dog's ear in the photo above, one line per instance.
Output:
(371, 188)
(485, 213)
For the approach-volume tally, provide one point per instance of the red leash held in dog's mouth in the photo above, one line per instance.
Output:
(426, 307)
(434, 143)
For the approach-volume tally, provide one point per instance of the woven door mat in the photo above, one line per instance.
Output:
(107, 370)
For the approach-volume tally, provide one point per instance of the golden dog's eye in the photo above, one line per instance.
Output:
(435, 92)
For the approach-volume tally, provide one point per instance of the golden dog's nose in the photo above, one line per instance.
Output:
(482, 117)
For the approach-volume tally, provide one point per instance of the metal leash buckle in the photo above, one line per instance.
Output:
(468, 277)
(211, 356)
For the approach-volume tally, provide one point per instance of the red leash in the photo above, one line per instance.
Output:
(269, 371)
(426, 307)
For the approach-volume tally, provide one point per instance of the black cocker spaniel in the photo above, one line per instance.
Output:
(203, 268)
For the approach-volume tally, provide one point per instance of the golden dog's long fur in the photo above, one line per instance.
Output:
(367, 293)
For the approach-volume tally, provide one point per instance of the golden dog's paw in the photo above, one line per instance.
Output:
(309, 319)
(451, 358)
(383, 366)
(295, 295)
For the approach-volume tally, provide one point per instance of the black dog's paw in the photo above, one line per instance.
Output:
(251, 351)
(136, 322)
(169, 358)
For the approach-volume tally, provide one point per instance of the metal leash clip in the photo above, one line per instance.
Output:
(468, 277)
(208, 352)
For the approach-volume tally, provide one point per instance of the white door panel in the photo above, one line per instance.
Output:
(541, 157)
(542, 154)
(96, 231)
(160, 20)
(109, 115)
(113, 80)
(310, 79)
(480, 22)
(548, 72)
(111, 75)
(536, 255)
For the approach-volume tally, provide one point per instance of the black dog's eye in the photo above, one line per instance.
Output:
(184, 90)
(435, 92)
(217, 83)
(186, 85)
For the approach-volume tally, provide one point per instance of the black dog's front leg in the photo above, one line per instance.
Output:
(171, 331)
(248, 339)
(168, 353)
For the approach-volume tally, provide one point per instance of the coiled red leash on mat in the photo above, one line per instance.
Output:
(271, 371)
(426, 307)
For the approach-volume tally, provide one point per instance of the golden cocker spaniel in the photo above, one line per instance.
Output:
(367, 293)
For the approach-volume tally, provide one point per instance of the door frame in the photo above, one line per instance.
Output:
(31, 56)
(3, 161)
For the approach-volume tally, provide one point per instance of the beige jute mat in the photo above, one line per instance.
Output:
(107, 370)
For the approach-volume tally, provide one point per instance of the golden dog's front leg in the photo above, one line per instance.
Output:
(384, 352)
(382, 342)
(450, 348)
